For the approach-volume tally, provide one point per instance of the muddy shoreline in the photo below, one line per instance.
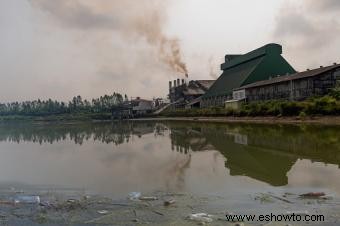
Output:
(78, 208)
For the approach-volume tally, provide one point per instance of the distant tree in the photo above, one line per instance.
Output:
(103, 104)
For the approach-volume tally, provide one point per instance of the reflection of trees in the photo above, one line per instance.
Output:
(117, 132)
(265, 153)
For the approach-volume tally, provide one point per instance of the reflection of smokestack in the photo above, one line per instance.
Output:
(175, 83)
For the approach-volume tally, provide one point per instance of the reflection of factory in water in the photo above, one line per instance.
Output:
(188, 140)
(265, 154)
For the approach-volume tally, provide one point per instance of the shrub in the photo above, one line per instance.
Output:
(323, 105)
(326, 105)
(302, 115)
(291, 108)
(335, 93)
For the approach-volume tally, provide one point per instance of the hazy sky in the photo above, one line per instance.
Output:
(61, 48)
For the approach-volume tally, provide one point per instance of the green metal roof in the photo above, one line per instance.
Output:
(254, 66)
(232, 77)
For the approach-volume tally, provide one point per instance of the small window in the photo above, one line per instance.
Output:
(337, 74)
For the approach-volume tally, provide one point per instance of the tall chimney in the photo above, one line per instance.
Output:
(175, 83)
(170, 85)
(178, 82)
(183, 82)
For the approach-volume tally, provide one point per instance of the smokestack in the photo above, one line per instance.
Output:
(170, 85)
(178, 82)
(175, 83)
(183, 81)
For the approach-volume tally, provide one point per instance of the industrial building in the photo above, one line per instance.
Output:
(183, 94)
(298, 86)
(130, 109)
(240, 70)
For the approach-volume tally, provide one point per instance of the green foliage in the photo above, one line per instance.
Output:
(335, 93)
(326, 105)
(302, 115)
(97, 107)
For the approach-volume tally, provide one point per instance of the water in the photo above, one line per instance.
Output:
(233, 161)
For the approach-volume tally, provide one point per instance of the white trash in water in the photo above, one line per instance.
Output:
(102, 211)
(148, 198)
(201, 217)
(27, 199)
(134, 195)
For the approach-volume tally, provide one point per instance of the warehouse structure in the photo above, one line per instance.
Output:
(187, 94)
(241, 70)
(298, 86)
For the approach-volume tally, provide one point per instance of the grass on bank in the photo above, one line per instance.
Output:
(326, 105)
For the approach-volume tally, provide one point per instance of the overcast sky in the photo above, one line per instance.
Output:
(61, 48)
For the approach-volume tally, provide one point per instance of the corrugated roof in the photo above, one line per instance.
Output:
(198, 87)
(267, 49)
(254, 66)
(300, 75)
(194, 101)
(206, 83)
(232, 78)
(193, 92)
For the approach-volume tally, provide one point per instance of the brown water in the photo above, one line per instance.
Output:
(234, 161)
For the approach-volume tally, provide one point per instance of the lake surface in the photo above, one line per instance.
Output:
(234, 161)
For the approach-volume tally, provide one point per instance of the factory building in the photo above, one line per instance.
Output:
(298, 86)
(240, 70)
(184, 94)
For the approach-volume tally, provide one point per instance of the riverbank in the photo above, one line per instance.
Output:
(323, 120)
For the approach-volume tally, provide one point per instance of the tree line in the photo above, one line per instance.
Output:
(103, 104)
(117, 133)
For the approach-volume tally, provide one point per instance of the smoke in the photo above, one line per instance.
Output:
(212, 67)
(324, 5)
(132, 20)
(309, 32)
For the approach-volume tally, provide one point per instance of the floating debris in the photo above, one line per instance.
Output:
(201, 217)
(148, 198)
(27, 199)
(281, 199)
(169, 202)
(102, 211)
(134, 196)
(313, 195)
(264, 198)
(6, 202)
